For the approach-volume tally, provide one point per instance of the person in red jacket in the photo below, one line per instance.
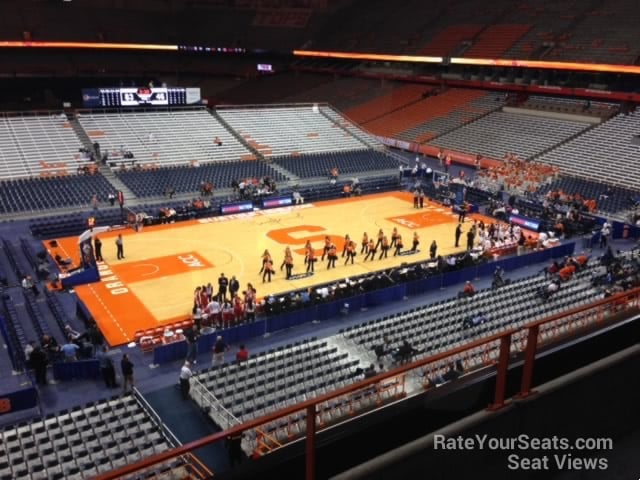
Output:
(242, 354)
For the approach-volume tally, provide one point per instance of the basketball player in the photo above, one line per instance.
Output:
(416, 241)
(421, 198)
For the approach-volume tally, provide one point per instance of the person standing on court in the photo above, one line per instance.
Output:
(394, 237)
(332, 254)
(371, 252)
(288, 262)
(399, 245)
(384, 248)
(421, 198)
(380, 236)
(268, 270)
(463, 212)
(351, 251)
(416, 242)
(185, 380)
(97, 249)
(287, 252)
(365, 243)
(470, 239)
(234, 286)
(223, 283)
(266, 257)
(120, 247)
(311, 259)
(327, 246)
(458, 234)
(347, 240)
(433, 249)
(416, 198)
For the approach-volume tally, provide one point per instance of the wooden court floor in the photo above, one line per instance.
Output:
(163, 264)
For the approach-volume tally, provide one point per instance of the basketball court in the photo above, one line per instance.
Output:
(163, 264)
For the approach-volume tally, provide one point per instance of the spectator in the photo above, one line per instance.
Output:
(605, 233)
(370, 371)
(71, 333)
(566, 272)
(474, 321)
(468, 290)
(28, 350)
(39, 361)
(106, 367)
(549, 290)
(405, 352)
(382, 349)
(242, 354)
(219, 349)
(112, 199)
(127, 372)
(69, 351)
(191, 338)
(27, 284)
(455, 371)
(185, 380)
(498, 278)
(234, 447)
(50, 346)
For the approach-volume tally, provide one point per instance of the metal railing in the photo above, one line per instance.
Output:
(496, 353)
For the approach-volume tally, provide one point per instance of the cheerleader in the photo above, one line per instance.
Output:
(266, 257)
(365, 243)
(287, 253)
(384, 247)
(399, 245)
(416, 242)
(394, 237)
(351, 251)
(380, 237)
(333, 256)
(371, 251)
(268, 270)
(347, 239)
(307, 247)
(311, 260)
(288, 261)
(327, 246)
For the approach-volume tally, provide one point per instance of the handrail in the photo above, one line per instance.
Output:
(504, 339)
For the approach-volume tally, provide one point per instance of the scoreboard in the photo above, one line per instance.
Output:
(140, 96)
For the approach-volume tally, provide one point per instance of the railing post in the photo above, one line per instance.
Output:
(529, 360)
(310, 446)
(501, 375)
